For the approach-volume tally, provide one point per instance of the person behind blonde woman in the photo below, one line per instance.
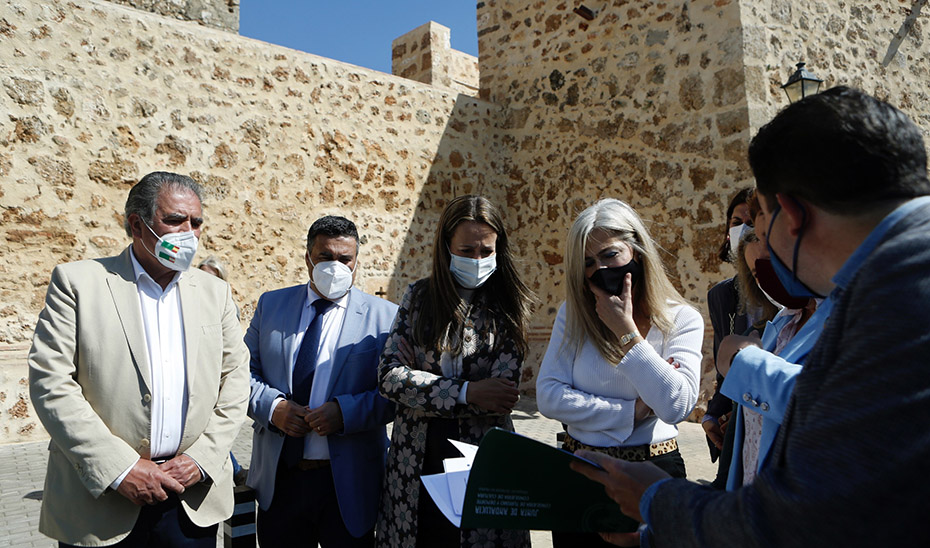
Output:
(607, 373)
(452, 365)
(751, 296)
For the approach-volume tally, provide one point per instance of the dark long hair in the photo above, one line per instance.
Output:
(441, 306)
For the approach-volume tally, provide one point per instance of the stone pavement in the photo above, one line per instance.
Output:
(22, 474)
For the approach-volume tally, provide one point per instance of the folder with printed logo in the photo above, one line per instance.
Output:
(516, 482)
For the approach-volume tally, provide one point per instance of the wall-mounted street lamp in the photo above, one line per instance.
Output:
(801, 84)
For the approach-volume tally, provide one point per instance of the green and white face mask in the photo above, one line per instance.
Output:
(174, 250)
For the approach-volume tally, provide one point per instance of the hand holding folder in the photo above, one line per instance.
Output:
(541, 492)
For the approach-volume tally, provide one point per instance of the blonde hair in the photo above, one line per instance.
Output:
(650, 296)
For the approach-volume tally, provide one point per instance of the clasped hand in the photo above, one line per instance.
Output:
(297, 420)
(150, 483)
(495, 394)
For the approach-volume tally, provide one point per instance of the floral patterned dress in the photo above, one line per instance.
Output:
(422, 392)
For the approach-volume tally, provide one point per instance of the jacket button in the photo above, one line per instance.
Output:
(144, 442)
(765, 406)
(747, 397)
(147, 398)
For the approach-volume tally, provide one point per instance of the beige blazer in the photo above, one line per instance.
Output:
(90, 385)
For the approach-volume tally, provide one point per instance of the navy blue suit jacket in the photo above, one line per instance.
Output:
(358, 453)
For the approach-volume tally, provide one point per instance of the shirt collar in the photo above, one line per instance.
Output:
(341, 302)
(844, 275)
(139, 271)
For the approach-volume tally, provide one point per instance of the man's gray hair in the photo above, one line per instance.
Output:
(144, 195)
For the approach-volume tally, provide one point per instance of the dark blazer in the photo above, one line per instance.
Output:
(849, 465)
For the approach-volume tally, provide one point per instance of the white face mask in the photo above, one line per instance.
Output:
(736, 234)
(332, 279)
(174, 250)
(472, 273)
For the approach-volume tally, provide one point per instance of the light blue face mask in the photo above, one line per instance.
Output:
(472, 273)
(789, 278)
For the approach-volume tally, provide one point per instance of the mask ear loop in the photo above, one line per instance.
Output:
(157, 238)
(797, 244)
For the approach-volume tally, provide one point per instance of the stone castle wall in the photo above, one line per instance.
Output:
(645, 103)
(95, 96)
(882, 48)
(425, 54)
(651, 102)
(219, 14)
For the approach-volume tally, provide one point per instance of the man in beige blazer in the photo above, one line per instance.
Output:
(139, 373)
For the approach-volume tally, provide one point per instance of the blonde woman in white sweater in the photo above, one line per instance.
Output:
(623, 363)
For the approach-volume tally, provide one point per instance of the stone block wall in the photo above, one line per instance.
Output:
(425, 54)
(880, 47)
(96, 95)
(219, 14)
(651, 102)
(645, 103)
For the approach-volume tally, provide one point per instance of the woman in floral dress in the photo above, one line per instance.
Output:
(452, 365)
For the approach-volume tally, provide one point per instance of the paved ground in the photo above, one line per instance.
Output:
(22, 473)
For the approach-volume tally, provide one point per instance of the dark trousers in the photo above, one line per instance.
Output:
(166, 525)
(671, 463)
(304, 512)
(434, 530)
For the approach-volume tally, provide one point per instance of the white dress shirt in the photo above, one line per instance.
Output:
(164, 340)
(315, 446)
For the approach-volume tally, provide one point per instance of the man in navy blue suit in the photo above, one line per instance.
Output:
(319, 444)
(843, 182)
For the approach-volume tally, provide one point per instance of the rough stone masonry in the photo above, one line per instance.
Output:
(651, 102)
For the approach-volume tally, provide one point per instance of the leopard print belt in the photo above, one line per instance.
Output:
(635, 453)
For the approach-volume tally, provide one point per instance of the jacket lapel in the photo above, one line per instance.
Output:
(290, 327)
(125, 295)
(348, 336)
(190, 316)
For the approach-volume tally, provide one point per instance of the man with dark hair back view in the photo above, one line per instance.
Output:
(843, 181)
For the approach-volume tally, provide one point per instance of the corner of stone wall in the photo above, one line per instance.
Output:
(219, 14)
(424, 54)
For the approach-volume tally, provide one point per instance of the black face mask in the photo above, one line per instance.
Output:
(611, 279)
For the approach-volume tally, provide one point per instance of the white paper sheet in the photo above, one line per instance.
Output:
(438, 487)
(457, 483)
(448, 489)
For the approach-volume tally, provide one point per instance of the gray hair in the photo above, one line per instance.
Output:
(215, 264)
(144, 195)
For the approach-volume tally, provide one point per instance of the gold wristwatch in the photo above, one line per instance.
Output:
(625, 340)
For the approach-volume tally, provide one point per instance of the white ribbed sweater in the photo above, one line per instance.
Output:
(596, 400)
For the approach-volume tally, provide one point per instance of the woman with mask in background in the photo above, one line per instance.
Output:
(727, 317)
(452, 365)
(624, 360)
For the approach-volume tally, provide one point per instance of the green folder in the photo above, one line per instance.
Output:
(519, 483)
